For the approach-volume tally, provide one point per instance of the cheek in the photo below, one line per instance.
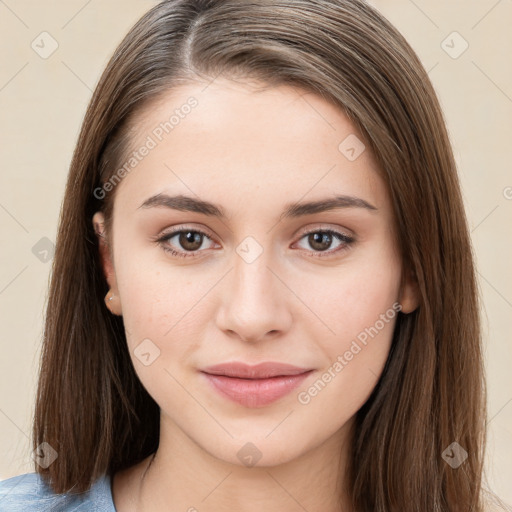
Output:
(163, 315)
(155, 294)
(358, 309)
(341, 309)
(355, 358)
(351, 298)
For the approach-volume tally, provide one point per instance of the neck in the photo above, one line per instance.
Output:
(182, 476)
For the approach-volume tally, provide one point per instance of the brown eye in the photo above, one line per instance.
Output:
(190, 240)
(321, 240)
(184, 242)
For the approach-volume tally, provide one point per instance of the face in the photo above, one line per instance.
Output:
(252, 276)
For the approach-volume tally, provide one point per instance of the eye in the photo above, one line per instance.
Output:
(321, 240)
(187, 241)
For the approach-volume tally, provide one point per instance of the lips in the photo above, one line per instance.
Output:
(255, 385)
(258, 371)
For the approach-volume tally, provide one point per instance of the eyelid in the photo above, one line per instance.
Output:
(339, 233)
(346, 241)
(325, 227)
(184, 227)
(299, 233)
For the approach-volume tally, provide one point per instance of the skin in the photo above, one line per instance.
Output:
(252, 152)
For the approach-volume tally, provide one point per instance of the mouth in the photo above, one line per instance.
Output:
(258, 371)
(255, 385)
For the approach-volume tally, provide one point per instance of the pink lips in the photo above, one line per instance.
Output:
(255, 386)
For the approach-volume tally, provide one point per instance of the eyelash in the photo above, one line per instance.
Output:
(347, 241)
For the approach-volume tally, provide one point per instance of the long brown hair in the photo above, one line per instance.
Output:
(91, 407)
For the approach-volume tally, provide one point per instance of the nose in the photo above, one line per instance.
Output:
(255, 304)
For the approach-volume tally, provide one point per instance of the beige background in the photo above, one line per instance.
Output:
(42, 102)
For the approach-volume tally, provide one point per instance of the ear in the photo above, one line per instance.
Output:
(112, 300)
(409, 297)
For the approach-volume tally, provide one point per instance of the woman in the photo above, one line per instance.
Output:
(261, 298)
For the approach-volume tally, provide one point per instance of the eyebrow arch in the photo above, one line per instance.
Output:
(292, 210)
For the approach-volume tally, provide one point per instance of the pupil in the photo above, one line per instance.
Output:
(190, 240)
(316, 240)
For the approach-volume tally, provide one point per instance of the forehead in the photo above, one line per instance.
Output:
(240, 141)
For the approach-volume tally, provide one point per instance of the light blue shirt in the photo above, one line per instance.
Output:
(29, 493)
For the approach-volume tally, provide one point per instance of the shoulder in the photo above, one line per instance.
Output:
(30, 493)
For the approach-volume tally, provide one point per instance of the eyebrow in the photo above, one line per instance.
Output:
(292, 210)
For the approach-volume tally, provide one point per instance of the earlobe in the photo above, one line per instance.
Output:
(112, 300)
(409, 297)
